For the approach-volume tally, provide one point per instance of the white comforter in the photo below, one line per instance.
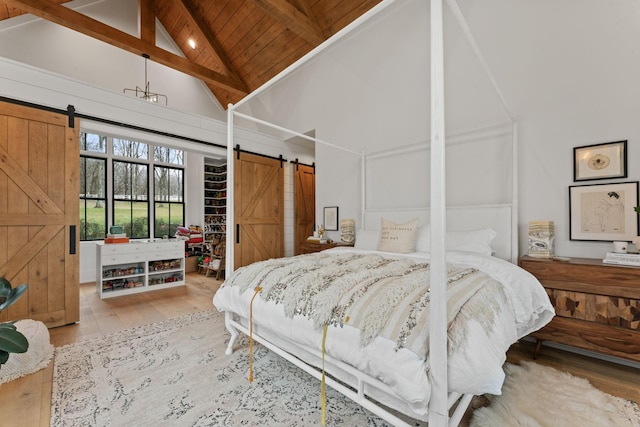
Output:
(475, 367)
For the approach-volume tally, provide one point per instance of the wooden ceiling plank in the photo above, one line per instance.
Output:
(247, 56)
(147, 21)
(292, 54)
(203, 32)
(96, 29)
(233, 32)
(293, 19)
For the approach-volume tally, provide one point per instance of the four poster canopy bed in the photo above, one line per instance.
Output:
(412, 321)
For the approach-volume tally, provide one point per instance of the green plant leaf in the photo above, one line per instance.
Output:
(10, 295)
(13, 341)
(4, 356)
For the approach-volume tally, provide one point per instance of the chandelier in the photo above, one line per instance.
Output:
(146, 93)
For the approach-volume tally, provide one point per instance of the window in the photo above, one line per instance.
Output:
(168, 155)
(92, 142)
(169, 200)
(131, 149)
(130, 198)
(93, 201)
(126, 165)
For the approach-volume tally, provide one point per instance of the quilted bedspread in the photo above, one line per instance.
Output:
(376, 306)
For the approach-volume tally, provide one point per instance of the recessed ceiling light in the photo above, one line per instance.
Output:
(192, 43)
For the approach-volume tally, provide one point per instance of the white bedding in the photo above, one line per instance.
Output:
(475, 366)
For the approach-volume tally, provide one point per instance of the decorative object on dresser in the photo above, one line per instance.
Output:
(597, 305)
(600, 161)
(139, 266)
(541, 239)
(603, 211)
(622, 258)
(348, 230)
(116, 234)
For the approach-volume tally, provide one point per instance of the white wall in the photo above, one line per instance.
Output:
(567, 71)
(48, 46)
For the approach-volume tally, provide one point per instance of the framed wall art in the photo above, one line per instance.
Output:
(331, 218)
(600, 161)
(603, 211)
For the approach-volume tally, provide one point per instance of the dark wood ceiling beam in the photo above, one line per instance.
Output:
(305, 8)
(203, 32)
(293, 19)
(147, 21)
(83, 24)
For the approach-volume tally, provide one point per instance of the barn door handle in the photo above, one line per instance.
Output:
(72, 240)
(238, 233)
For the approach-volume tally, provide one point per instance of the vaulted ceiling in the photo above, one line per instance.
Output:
(239, 44)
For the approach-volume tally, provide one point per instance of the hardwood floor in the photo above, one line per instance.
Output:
(26, 402)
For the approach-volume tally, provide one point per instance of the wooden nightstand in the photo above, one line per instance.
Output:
(311, 247)
(597, 305)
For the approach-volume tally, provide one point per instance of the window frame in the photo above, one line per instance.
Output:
(131, 199)
(83, 229)
(150, 163)
(169, 202)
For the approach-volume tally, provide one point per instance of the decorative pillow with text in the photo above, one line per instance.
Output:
(399, 238)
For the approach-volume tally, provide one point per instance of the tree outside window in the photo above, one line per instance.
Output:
(93, 213)
(130, 198)
(168, 155)
(169, 200)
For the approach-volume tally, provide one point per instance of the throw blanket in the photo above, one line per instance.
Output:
(377, 295)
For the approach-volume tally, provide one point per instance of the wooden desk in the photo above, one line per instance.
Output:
(597, 305)
(311, 247)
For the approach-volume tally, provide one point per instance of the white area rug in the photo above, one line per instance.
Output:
(175, 373)
(538, 396)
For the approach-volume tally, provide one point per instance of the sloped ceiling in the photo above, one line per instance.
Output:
(240, 44)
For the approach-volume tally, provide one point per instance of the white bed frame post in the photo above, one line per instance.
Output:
(230, 221)
(438, 403)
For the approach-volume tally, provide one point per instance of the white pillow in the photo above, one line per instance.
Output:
(399, 238)
(367, 239)
(478, 241)
(423, 240)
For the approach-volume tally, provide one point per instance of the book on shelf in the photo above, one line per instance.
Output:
(542, 254)
(116, 236)
(313, 239)
(116, 240)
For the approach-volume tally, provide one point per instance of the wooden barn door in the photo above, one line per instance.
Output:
(304, 199)
(39, 202)
(258, 209)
